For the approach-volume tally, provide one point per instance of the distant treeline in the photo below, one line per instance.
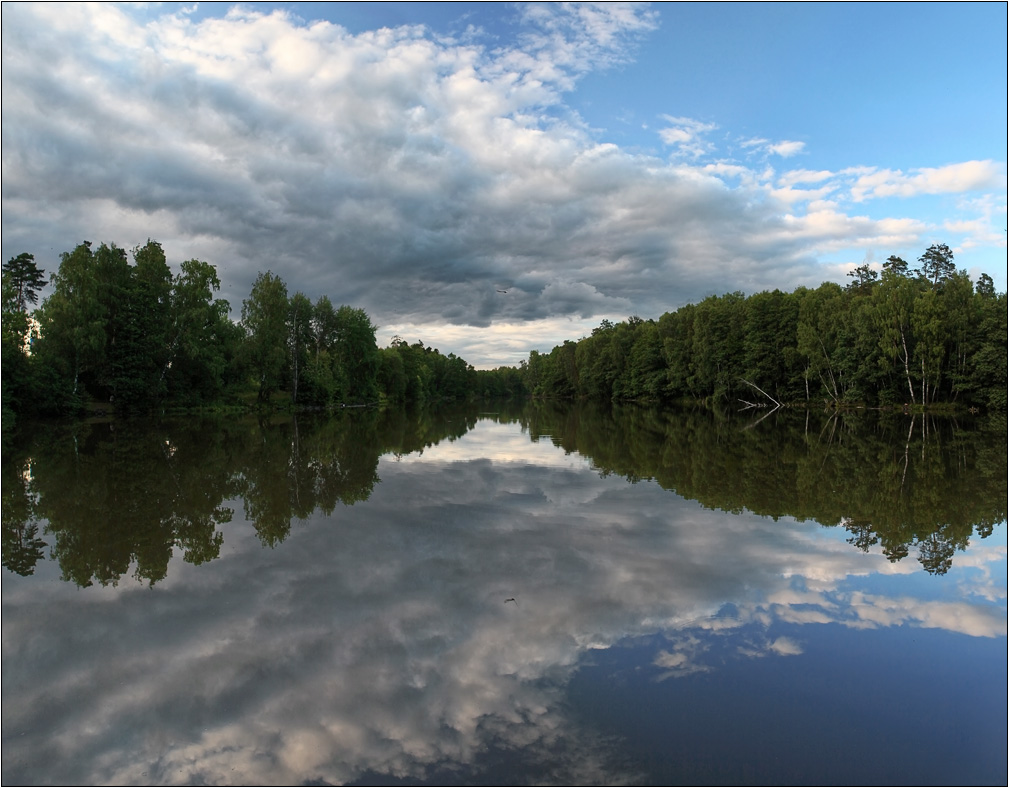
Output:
(132, 337)
(916, 337)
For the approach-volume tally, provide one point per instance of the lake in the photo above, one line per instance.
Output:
(522, 593)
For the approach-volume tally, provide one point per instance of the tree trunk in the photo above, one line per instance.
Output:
(907, 366)
(761, 391)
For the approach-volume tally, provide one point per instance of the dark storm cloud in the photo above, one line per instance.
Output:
(412, 164)
(407, 174)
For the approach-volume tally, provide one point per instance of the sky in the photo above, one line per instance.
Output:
(591, 161)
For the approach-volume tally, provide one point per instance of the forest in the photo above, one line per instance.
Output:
(131, 337)
(905, 338)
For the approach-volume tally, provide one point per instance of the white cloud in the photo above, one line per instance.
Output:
(789, 195)
(873, 610)
(952, 179)
(686, 135)
(784, 148)
(827, 228)
(404, 173)
(728, 170)
(794, 177)
(582, 36)
(787, 148)
(987, 229)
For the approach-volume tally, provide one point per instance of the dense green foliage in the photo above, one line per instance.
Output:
(131, 336)
(415, 373)
(134, 338)
(908, 337)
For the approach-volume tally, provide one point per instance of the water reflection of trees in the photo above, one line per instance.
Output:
(112, 498)
(900, 481)
(109, 499)
(292, 467)
(22, 547)
(116, 496)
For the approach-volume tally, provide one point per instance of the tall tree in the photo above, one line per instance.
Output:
(324, 326)
(16, 366)
(26, 279)
(769, 343)
(864, 278)
(299, 337)
(392, 374)
(73, 317)
(930, 336)
(356, 354)
(937, 264)
(896, 266)
(985, 286)
(141, 328)
(894, 303)
(988, 362)
(956, 300)
(677, 329)
(822, 316)
(200, 338)
(112, 268)
(319, 383)
(264, 316)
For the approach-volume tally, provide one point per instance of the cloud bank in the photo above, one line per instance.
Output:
(411, 174)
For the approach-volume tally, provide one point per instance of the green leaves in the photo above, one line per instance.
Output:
(937, 264)
(264, 316)
(25, 279)
(881, 340)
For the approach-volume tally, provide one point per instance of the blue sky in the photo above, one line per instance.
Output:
(595, 161)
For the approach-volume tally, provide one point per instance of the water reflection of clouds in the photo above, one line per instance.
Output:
(981, 570)
(691, 651)
(378, 639)
(497, 442)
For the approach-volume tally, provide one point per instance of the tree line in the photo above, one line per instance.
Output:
(915, 337)
(131, 337)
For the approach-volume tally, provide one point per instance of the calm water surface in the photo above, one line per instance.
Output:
(533, 595)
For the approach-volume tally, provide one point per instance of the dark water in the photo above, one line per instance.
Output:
(540, 594)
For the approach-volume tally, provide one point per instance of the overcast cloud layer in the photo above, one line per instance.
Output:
(417, 176)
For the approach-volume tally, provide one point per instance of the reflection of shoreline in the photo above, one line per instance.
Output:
(931, 498)
(927, 490)
(919, 483)
(377, 640)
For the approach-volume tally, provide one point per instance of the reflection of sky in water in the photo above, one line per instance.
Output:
(490, 440)
(377, 641)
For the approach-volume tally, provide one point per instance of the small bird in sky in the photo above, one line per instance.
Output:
(502, 291)
(510, 599)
